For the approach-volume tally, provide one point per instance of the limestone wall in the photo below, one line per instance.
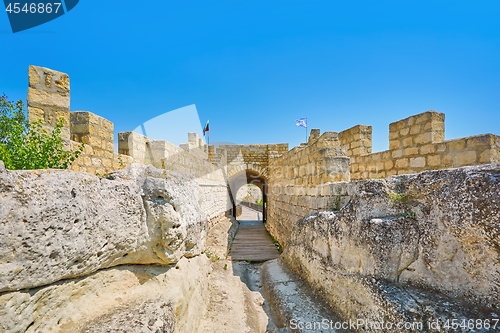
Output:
(48, 98)
(239, 157)
(214, 198)
(195, 146)
(49, 101)
(300, 182)
(416, 144)
(357, 140)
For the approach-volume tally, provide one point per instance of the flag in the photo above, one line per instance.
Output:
(205, 129)
(301, 122)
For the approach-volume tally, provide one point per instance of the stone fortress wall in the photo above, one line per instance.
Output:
(299, 180)
(254, 157)
(416, 144)
(303, 180)
(49, 101)
(391, 229)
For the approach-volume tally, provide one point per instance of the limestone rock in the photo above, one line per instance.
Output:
(129, 298)
(153, 316)
(59, 224)
(432, 236)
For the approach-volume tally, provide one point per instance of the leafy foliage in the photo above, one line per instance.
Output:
(398, 197)
(25, 146)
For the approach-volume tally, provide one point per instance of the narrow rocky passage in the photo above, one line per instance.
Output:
(270, 299)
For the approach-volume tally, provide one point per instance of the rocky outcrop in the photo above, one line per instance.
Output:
(128, 298)
(56, 224)
(415, 247)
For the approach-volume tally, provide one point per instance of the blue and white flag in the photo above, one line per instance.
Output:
(301, 122)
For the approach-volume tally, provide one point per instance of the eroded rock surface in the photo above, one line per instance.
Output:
(421, 246)
(57, 224)
(129, 298)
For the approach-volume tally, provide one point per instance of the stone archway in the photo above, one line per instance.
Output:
(237, 179)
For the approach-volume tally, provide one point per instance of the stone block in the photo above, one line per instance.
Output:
(407, 142)
(447, 160)
(465, 158)
(392, 172)
(442, 147)
(96, 162)
(107, 163)
(401, 163)
(489, 156)
(404, 131)
(434, 160)
(411, 151)
(415, 129)
(417, 162)
(480, 141)
(394, 144)
(388, 165)
(397, 153)
(428, 149)
(423, 138)
(39, 97)
(456, 144)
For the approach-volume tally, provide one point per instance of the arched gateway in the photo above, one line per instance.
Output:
(248, 164)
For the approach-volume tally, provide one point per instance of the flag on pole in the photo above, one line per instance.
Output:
(299, 122)
(205, 129)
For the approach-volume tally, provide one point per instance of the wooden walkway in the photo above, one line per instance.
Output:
(252, 242)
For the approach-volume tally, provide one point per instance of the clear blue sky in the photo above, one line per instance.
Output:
(253, 67)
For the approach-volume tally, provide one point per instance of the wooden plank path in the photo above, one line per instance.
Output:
(252, 242)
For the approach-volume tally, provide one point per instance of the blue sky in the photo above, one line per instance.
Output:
(253, 67)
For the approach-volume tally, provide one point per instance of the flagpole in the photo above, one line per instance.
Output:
(306, 135)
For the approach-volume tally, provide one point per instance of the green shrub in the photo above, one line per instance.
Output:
(398, 197)
(25, 146)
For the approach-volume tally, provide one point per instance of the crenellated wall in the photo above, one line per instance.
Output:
(296, 182)
(416, 144)
(49, 100)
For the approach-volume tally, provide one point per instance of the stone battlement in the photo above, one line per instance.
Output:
(416, 144)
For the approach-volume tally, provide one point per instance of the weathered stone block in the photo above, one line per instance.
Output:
(465, 158)
(428, 149)
(434, 160)
(423, 138)
(401, 163)
(394, 144)
(407, 142)
(411, 151)
(417, 162)
(456, 144)
(480, 140)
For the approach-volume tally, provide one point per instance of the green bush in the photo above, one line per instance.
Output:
(25, 146)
